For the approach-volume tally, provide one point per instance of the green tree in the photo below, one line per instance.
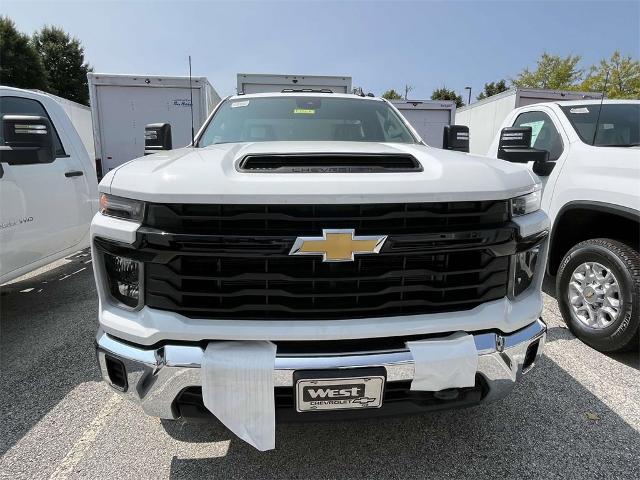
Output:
(493, 88)
(392, 95)
(445, 94)
(552, 71)
(63, 59)
(20, 65)
(624, 77)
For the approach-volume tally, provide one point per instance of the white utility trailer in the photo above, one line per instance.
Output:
(123, 104)
(261, 83)
(428, 117)
(485, 117)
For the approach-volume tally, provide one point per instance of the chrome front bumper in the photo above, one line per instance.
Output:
(155, 377)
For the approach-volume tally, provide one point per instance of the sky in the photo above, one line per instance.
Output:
(381, 44)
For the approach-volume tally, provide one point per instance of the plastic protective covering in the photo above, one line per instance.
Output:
(441, 363)
(237, 387)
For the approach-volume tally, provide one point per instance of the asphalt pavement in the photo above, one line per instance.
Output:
(576, 415)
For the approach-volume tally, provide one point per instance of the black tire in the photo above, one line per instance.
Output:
(624, 262)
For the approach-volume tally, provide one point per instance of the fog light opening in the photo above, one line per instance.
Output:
(123, 278)
(117, 373)
(524, 269)
(530, 356)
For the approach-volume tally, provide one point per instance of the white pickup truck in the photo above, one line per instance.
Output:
(48, 187)
(311, 258)
(589, 164)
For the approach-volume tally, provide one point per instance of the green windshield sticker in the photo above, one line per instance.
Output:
(304, 111)
(535, 129)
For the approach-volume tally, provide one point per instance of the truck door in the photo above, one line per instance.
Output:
(44, 207)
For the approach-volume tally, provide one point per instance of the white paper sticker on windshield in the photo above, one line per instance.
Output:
(243, 103)
(579, 110)
(535, 129)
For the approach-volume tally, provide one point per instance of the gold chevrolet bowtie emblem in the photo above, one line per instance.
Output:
(337, 245)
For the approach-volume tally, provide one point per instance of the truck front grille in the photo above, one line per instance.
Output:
(233, 262)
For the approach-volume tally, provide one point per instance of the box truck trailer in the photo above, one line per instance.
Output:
(261, 83)
(122, 105)
(485, 116)
(428, 117)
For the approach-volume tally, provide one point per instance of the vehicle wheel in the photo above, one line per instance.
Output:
(598, 291)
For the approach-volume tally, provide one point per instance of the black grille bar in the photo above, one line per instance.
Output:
(296, 220)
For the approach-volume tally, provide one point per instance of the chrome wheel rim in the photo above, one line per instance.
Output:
(594, 295)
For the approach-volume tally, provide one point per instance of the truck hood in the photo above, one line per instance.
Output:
(209, 175)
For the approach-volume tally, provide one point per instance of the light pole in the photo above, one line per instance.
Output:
(468, 88)
(407, 89)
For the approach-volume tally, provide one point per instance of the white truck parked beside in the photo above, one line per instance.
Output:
(589, 162)
(123, 105)
(311, 258)
(48, 188)
(484, 117)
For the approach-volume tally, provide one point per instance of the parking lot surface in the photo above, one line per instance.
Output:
(577, 415)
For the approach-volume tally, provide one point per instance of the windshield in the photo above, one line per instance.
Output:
(305, 118)
(618, 126)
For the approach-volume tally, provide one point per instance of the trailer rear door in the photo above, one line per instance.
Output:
(427, 119)
(125, 110)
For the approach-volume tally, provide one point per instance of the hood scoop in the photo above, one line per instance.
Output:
(329, 163)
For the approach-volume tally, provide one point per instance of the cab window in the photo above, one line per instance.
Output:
(544, 134)
(28, 106)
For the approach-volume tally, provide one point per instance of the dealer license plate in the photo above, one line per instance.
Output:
(318, 390)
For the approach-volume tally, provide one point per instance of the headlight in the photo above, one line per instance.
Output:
(526, 203)
(119, 207)
(123, 279)
(523, 269)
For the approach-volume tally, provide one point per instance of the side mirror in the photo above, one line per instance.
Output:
(514, 146)
(27, 139)
(157, 137)
(456, 137)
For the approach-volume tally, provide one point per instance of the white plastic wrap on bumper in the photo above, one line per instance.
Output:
(237, 387)
(441, 363)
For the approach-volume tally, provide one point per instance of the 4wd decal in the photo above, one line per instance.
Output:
(13, 223)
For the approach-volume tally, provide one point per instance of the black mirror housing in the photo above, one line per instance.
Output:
(27, 139)
(514, 146)
(157, 137)
(456, 137)
(515, 137)
(543, 169)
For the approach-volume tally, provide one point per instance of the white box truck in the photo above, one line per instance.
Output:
(428, 117)
(485, 116)
(262, 83)
(122, 105)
